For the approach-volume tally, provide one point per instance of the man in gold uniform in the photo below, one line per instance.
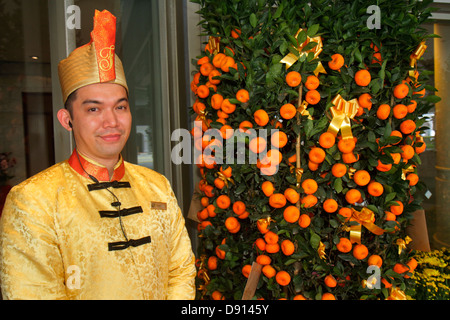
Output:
(95, 226)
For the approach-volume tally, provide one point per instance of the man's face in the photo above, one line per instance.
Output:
(101, 121)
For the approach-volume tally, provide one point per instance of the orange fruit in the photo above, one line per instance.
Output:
(288, 111)
(312, 97)
(383, 167)
(267, 188)
(309, 201)
(344, 245)
(211, 210)
(375, 189)
(364, 101)
(227, 64)
(327, 140)
(291, 214)
(273, 157)
(345, 212)
(338, 170)
(397, 209)
(216, 101)
(350, 157)
(204, 201)
(346, 145)
(361, 177)
(312, 165)
(401, 91)
(412, 106)
(260, 244)
(330, 281)
(246, 270)
(299, 297)
(257, 145)
(226, 172)
(227, 106)
(383, 111)
(202, 215)
(219, 183)
(328, 296)
(217, 295)
(293, 79)
(223, 201)
(218, 60)
(291, 195)
(220, 253)
(412, 264)
(352, 196)
(271, 237)
(206, 68)
(375, 260)
(408, 152)
(330, 205)
(239, 207)
(283, 278)
(277, 200)
(245, 125)
(235, 33)
(304, 220)
(412, 178)
(362, 78)
(214, 73)
(203, 91)
(212, 263)
(279, 139)
(203, 60)
(396, 133)
(400, 111)
(287, 247)
(317, 155)
(261, 117)
(269, 271)
(360, 251)
(232, 224)
(309, 186)
(407, 126)
(337, 61)
(242, 96)
(272, 247)
(400, 268)
(312, 82)
(263, 259)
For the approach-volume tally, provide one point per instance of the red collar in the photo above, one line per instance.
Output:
(84, 165)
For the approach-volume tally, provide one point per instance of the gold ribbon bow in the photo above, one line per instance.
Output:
(321, 250)
(202, 117)
(224, 178)
(416, 55)
(291, 58)
(302, 110)
(342, 112)
(214, 45)
(410, 169)
(298, 173)
(364, 217)
(402, 243)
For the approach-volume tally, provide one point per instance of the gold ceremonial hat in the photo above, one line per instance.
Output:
(95, 62)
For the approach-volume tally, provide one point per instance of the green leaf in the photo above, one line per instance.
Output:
(313, 30)
(253, 20)
(314, 240)
(278, 12)
(338, 185)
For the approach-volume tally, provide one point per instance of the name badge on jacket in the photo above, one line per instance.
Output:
(158, 205)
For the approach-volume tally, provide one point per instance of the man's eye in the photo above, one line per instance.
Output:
(92, 109)
(122, 107)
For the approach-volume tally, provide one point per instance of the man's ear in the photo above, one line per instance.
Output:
(64, 118)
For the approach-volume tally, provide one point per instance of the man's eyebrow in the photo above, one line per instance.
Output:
(90, 101)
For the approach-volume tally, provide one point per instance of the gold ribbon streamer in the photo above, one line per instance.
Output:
(342, 112)
(291, 58)
(364, 218)
(298, 173)
(402, 243)
(416, 55)
(396, 294)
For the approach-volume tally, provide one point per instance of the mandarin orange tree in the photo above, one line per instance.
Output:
(334, 202)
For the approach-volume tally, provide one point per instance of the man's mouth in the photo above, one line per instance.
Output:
(111, 137)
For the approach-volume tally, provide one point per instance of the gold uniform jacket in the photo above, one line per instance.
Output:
(62, 236)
